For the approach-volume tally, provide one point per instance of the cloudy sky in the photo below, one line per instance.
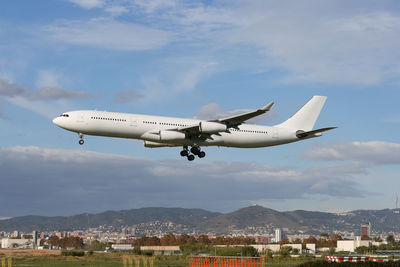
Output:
(201, 59)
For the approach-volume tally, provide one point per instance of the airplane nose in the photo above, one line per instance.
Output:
(56, 121)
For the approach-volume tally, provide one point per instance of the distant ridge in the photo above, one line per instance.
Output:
(199, 220)
(189, 217)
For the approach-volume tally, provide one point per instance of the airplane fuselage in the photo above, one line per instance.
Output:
(232, 131)
(147, 128)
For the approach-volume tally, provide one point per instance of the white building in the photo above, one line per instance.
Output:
(263, 248)
(16, 243)
(294, 246)
(122, 247)
(278, 235)
(351, 245)
(310, 248)
(165, 250)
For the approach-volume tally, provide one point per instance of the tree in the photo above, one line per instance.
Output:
(96, 245)
(297, 241)
(310, 240)
(249, 251)
(203, 239)
(186, 239)
(219, 240)
(168, 240)
(390, 239)
(284, 241)
(361, 249)
(54, 241)
(336, 237)
(285, 251)
(324, 236)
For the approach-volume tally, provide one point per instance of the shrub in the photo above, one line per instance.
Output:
(77, 253)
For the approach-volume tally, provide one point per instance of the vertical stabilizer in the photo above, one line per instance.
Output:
(305, 118)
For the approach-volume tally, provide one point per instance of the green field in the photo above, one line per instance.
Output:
(116, 260)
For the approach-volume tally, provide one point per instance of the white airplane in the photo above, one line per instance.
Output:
(158, 131)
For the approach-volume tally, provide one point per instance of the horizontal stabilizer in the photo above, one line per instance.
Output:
(313, 133)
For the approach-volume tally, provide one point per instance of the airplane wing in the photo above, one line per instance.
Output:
(239, 119)
(231, 121)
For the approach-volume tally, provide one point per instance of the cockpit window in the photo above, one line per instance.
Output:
(64, 115)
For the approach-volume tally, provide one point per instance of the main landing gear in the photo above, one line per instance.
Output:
(195, 150)
(81, 142)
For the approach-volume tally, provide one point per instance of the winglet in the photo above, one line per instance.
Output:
(267, 107)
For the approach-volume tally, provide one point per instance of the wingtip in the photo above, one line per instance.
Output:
(268, 106)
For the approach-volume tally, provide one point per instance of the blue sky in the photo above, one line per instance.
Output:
(198, 59)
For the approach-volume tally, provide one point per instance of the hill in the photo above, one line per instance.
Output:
(254, 219)
(187, 217)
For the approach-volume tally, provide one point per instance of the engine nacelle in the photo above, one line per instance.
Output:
(172, 136)
(156, 144)
(211, 127)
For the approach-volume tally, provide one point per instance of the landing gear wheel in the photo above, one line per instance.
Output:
(195, 150)
(184, 153)
(81, 142)
(202, 154)
(190, 157)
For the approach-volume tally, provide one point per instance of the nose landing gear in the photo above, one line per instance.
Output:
(81, 141)
(195, 150)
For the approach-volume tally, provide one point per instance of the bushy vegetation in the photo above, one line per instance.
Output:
(77, 253)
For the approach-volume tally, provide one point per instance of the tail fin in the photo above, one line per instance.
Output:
(305, 118)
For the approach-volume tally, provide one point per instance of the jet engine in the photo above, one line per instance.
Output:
(171, 136)
(211, 127)
(155, 144)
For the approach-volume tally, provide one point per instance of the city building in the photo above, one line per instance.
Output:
(278, 235)
(17, 243)
(351, 245)
(162, 250)
(366, 229)
(122, 247)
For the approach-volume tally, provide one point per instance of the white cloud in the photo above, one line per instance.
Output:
(109, 34)
(40, 101)
(128, 180)
(11, 90)
(309, 41)
(88, 4)
(373, 152)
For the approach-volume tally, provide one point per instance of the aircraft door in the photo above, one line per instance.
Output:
(133, 122)
(275, 133)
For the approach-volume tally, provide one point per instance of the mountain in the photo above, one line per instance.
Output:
(187, 217)
(311, 222)
(249, 219)
(254, 216)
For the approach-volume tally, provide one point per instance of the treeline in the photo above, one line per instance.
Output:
(66, 242)
(184, 239)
